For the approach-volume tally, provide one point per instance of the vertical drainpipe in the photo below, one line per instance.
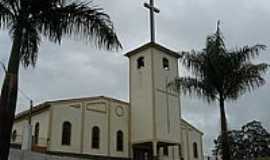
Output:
(49, 134)
(188, 145)
(129, 115)
(202, 156)
(109, 126)
(83, 106)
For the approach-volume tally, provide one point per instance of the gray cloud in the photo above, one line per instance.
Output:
(75, 69)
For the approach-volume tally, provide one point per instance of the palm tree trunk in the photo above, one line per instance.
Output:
(8, 97)
(224, 132)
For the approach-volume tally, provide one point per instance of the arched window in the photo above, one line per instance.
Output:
(14, 135)
(140, 62)
(36, 133)
(95, 137)
(119, 141)
(195, 150)
(66, 133)
(166, 65)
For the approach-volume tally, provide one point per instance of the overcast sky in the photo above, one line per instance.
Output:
(76, 69)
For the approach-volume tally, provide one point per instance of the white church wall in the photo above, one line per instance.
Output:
(141, 98)
(42, 118)
(19, 127)
(195, 137)
(190, 135)
(119, 120)
(96, 115)
(167, 102)
(184, 144)
(62, 112)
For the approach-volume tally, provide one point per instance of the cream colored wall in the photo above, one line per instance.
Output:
(189, 136)
(167, 102)
(119, 122)
(101, 113)
(62, 112)
(19, 127)
(84, 115)
(195, 137)
(141, 98)
(96, 114)
(43, 119)
(150, 118)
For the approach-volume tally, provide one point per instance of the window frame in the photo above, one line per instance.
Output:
(140, 62)
(14, 135)
(195, 150)
(36, 133)
(66, 133)
(95, 139)
(165, 64)
(119, 141)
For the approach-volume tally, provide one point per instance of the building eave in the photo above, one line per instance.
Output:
(89, 99)
(153, 45)
(36, 109)
(191, 126)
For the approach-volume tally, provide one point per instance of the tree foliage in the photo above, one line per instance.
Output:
(252, 141)
(54, 19)
(28, 22)
(219, 74)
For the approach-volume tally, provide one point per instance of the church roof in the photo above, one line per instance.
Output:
(44, 106)
(36, 109)
(89, 98)
(153, 45)
(187, 124)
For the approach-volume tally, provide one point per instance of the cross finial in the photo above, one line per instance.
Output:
(153, 10)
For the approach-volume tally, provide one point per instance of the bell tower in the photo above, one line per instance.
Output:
(155, 109)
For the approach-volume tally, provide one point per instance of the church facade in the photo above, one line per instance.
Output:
(149, 127)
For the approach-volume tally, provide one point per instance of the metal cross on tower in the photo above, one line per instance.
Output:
(153, 10)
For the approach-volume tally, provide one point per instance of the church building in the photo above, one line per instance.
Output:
(148, 127)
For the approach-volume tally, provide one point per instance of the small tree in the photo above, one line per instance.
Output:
(251, 142)
(219, 75)
(29, 20)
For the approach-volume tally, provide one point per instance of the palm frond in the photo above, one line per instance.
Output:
(6, 16)
(30, 46)
(247, 78)
(193, 61)
(77, 19)
(246, 53)
(192, 86)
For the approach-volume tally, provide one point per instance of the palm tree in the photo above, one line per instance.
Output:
(219, 75)
(28, 21)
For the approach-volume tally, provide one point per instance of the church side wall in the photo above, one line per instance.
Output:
(60, 114)
(41, 118)
(19, 127)
(189, 137)
(108, 115)
(141, 98)
(96, 115)
(195, 137)
(119, 121)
